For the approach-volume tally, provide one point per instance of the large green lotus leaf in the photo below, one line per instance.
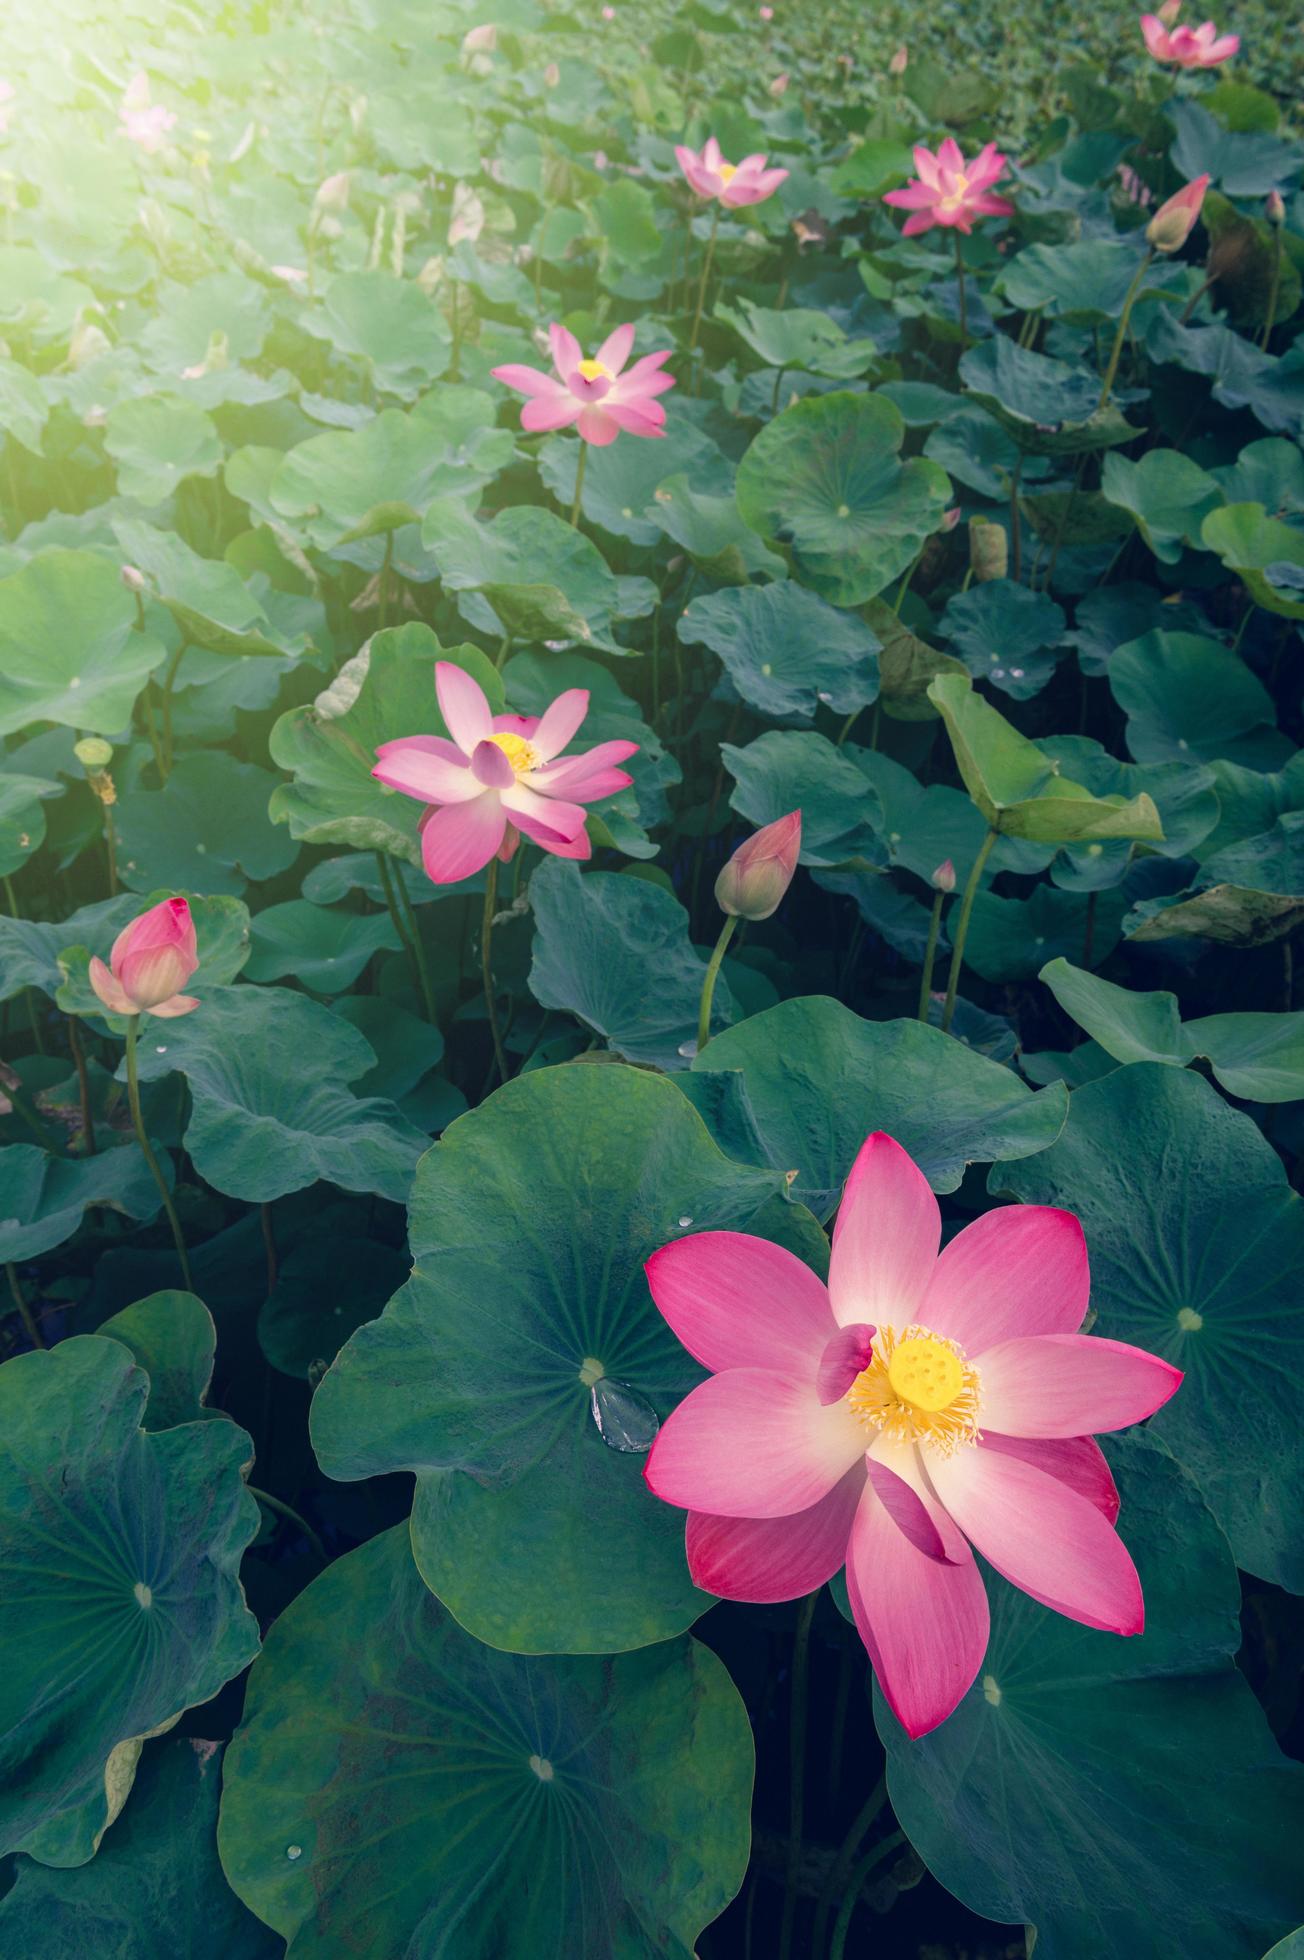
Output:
(222, 941)
(157, 441)
(1271, 386)
(799, 337)
(818, 1080)
(1168, 495)
(906, 664)
(621, 479)
(156, 1885)
(122, 1604)
(542, 578)
(872, 167)
(1183, 793)
(1019, 789)
(206, 830)
(796, 769)
(208, 599)
(1012, 938)
(529, 1224)
(270, 1112)
(825, 479)
(327, 1285)
(69, 648)
(329, 746)
(43, 1198)
(323, 947)
(1268, 472)
(1060, 1791)
(359, 483)
(1257, 1056)
(23, 407)
(172, 1337)
(1086, 280)
(1249, 891)
(922, 827)
(1291, 1948)
(1244, 163)
(1195, 1238)
(707, 525)
(1266, 554)
(1047, 405)
(392, 325)
(397, 1789)
(616, 952)
(22, 820)
(1006, 634)
(423, 130)
(227, 303)
(786, 651)
(406, 1047)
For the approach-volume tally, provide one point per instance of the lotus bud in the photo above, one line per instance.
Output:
(779, 86)
(333, 193)
(950, 518)
(753, 882)
(551, 75)
(989, 549)
(900, 61)
(133, 579)
(1169, 11)
(1174, 221)
(765, 13)
(88, 342)
(944, 876)
(1274, 208)
(480, 40)
(151, 961)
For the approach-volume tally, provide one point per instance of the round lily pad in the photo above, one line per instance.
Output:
(157, 441)
(1167, 494)
(1267, 554)
(795, 769)
(1005, 634)
(69, 648)
(205, 830)
(323, 946)
(390, 324)
(786, 651)
(396, 1787)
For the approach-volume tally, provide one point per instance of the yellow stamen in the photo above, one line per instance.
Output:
(727, 172)
(518, 752)
(918, 1389)
(594, 371)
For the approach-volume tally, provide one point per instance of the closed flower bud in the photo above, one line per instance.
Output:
(1174, 221)
(151, 961)
(551, 75)
(900, 61)
(480, 40)
(1274, 208)
(779, 86)
(1169, 11)
(989, 549)
(944, 876)
(133, 580)
(752, 884)
(333, 193)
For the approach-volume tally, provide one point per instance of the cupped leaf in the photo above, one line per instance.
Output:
(392, 325)
(69, 648)
(325, 947)
(172, 1337)
(327, 1285)
(1266, 554)
(1047, 405)
(817, 1080)
(1248, 893)
(208, 599)
(1186, 696)
(1169, 496)
(606, 1812)
(906, 665)
(800, 337)
(529, 1225)
(796, 769)
(541, 578)
(43, 1199)
(786, 651)
(825, 479)
(121, 1606)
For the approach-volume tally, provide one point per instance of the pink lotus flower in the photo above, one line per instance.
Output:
(500, 777)
(597, 394)
(735, 184)
(1188, 47)
(1174, 221)
(753, 882)
(917, 1406)
(151, 960)
(948, 191)
(144, 124)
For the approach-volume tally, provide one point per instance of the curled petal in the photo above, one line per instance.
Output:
(108, 990)
(565, 820)
(566, 350)
(490, 767)
(768, 1559)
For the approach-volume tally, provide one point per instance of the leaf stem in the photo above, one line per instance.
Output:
(1116, 352)
(708, 983)
(579, 486)
(83, 1086)
(138, 1122)
(28, 1318)
(962, 928)
(964, 303)
(930, 954)
(796, 1769)
(707, 258)
(882, 1850)
(285, 1510)
(847, 1850)
(1274, 290)
(486, 936)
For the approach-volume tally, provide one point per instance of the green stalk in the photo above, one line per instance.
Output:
(847, 1850)
(1116, 353)
(405, 925)
(1273, 290)
(83, 1086)
(707, 258)
(579, 484)
(962, 928)
(285, 1510)
(882, 1850)
(796, 1770)
(486, 935)
(28, 1318)
(930, 954)
(708, 984)
(138, 1122)
(964, 304)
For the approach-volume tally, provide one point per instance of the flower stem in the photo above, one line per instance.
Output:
(405, 925)
(847, 1850)
(851, 1899)
(1117, 351)
(964, 302)
(1273, 290)
(796, 1770)
(28, 1318)
(708, 984)
(962, 928)
(285, 1510)
(83, 1087)
(930, 954)
(486, 935)
(579, 484)
(138, 1122)
(707, 258)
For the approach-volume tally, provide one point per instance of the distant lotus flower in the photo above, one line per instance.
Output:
(753, 882)
(779, 86)
(944, 876)
(735, 184)
(500, 777)
(766, 13)
(144, 123)
(151, 960)
(1135, 189)
(551, 75)
(950, 192)
(1169, 11)
(608, 13)
(1188, 47)
(480, 40)
(7, 93)
(1174, 221)
(918, 1405)
(900, 61)
(599, 395)
(1274, 208)
(333, 192)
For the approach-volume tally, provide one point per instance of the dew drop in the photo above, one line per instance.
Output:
(688, 1049)
(998, 673)
(542, 1768)
(201, 850)
(686, 1218)
(293, 1851)
(1016, 673)
(825, 697)
(160, 1048)
(625, 1420)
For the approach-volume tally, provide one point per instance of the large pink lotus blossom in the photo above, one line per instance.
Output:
(598, 394)
(1188, 47)
(151, 960)
(144, 123)
(500, 777)
(948, 191)
(735, 184)
(917, 1406)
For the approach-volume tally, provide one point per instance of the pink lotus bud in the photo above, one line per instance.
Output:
(480, 40)
(1169, 11)
(900, 61)
(1274, 208)
(608, 13)
(944, 876)
(950, 518)
(766, 13)
(1174, 222)
(752, 884)
(333, 193)
(152, 959)
(551, 75)
(133, 580)
(779, 86)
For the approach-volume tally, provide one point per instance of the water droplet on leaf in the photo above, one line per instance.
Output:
(625, 1419)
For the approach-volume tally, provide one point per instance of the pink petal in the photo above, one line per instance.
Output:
(460, 839)
(527, 380)
(490, 767)
(558, 412)
(769, 1559)
(430, 778)
(565, 820)
(885, 1241)
(615, 349)
(108, 990)
(924, 1621)
(522, 725)
(1070, 1385)
(921, 221)
(171, 1010)
(926, 166)
(846, 1354)
(712, 154)
(559, 723)
(1042, 1536)
(906, 1509)
(644, 418)
(592, 789)
(463, 705)
(914, 197)
(598, 426)
(987, 205)
(1076, 1461)
(579, 847)
(949, 155)
(570, 769)
(753, 1443)
(428, 745)
(566, 350)
(1019, 1270)
(739, 1302)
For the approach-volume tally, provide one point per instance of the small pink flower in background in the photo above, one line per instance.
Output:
(765, 13)
(779, 86)
(501, 777)
(950, 192)
(944, 876)
(551, 75)
(144, 123)
(1169, 11)
(735, 184)
(1188, 47)
(918, 1405)
(608, 13)
(1174, 221)
(151, 960)
(1274, 208)
(6, 97)
(900, 61)
(752, 884)
(1135, 189)
(599, 395)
